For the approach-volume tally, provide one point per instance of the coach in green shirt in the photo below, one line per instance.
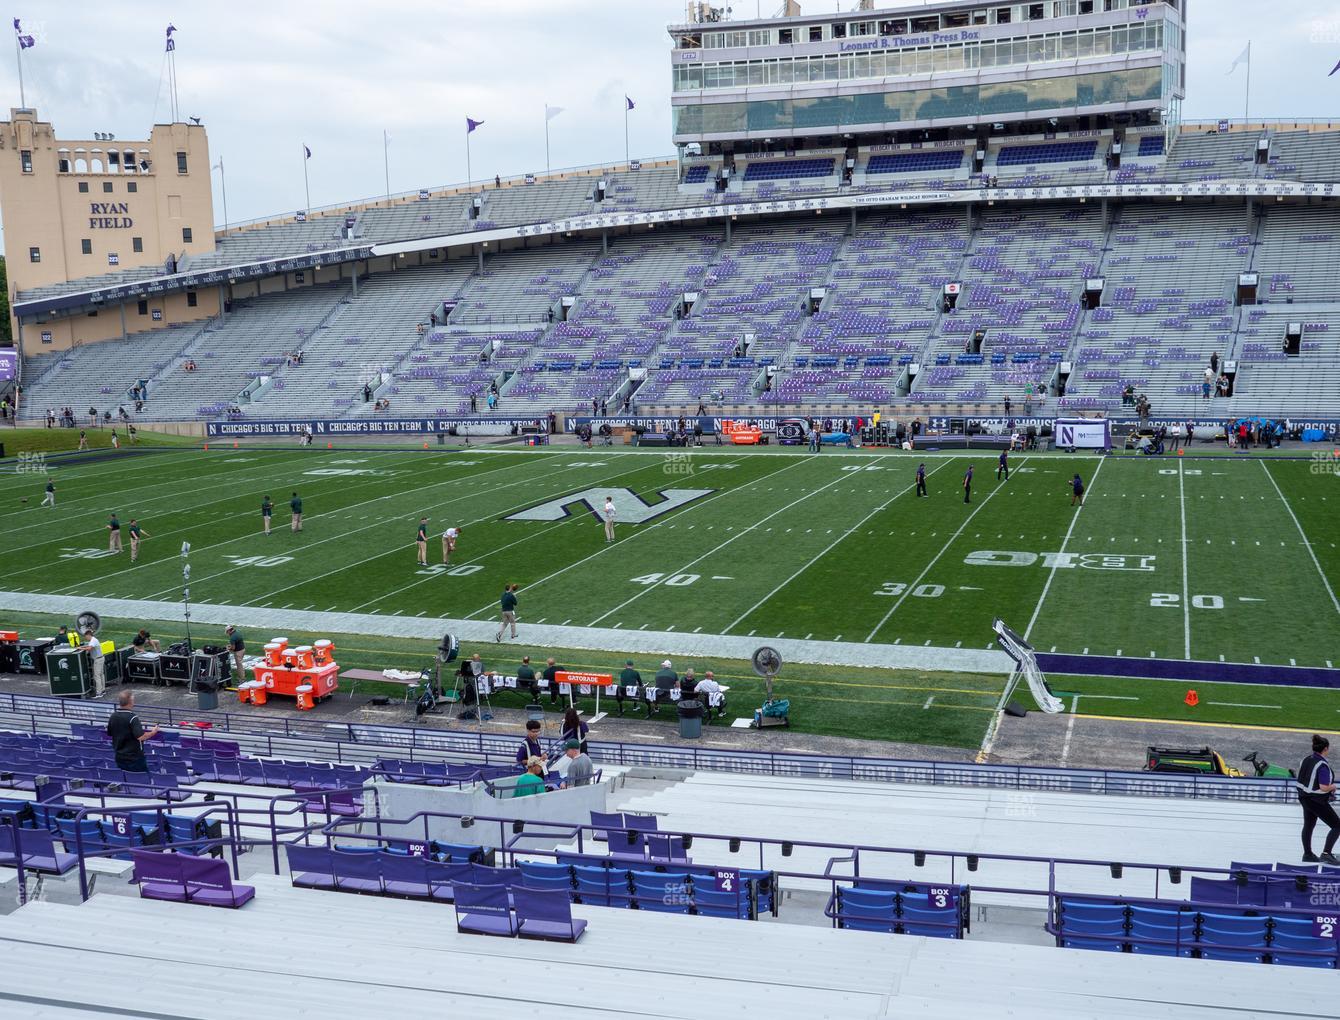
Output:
(295, 504)
(525, 677)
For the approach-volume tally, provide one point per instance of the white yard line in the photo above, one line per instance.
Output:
(841, 477)
(944, 549)
(1051, 574)
(1303, 535)
(829, 548)
(652, 530)
(1186, 555)
(381, 523)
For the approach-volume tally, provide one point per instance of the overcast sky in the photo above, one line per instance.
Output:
(268, 77)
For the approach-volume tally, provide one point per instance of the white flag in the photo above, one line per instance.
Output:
(1245, 57)
(550, 112)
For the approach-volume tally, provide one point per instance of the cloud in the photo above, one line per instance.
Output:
(268, 76)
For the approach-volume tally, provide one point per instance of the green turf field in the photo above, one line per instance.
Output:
(1198, 558)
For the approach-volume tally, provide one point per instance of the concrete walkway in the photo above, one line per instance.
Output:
(642, 642)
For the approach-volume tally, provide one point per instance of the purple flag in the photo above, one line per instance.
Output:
(631, 104)
(471, 124)
(26, 42)
(171, 43)
(307, 152)
(1334, 69)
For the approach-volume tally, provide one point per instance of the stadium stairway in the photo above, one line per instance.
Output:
(293, 952)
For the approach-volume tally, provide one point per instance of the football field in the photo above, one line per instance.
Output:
(1207, 558)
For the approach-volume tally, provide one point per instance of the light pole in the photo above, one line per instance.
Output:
(186, 591)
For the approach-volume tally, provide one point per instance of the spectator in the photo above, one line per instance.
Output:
(525, 676)
(142, 642)
(574, 728)
(551, 671)
(1316, 787)
(689, 684)
(707, 687)
(666, 681)
(532, 782)
(128, 734)
(580, 769)
(530, 747)
(630, 677)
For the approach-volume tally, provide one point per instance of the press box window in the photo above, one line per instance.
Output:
(26, 160)
(83, 187)
(186, 235)
(132, 186)
(86, 246)
(181, 162)
(107, 187)
(137, 244)
(191, 299)
(34, 254)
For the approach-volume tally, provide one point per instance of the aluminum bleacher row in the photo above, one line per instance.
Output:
(665, 852)
(1171, 274)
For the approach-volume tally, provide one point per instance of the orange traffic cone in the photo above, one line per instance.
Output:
(234, 446)
(206, 446)
(1180, 452)
(1192, 699)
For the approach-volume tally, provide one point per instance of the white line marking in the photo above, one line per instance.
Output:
(827, 549)
(934, 560)
(1037, 610)
(710, 552)
(1234, 704)
(928, 703)
(1308, 545)
(1186, 599)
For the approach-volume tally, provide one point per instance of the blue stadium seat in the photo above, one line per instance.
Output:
(1151, 145)
(539, 875)
(1063, 152)
(666, 891)
(780, 169)
(867, 910)
(696, 175)
(915, 162)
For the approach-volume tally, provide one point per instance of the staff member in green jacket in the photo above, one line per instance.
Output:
(267, 511)
(295, 504)
(507, 604)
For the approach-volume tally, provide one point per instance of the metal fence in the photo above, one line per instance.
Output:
(353, 741)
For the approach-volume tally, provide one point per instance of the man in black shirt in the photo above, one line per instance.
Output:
(531, 747)
(128, 734)
(525, 678)
(551, 671)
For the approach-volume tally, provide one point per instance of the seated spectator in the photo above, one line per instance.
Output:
(532, 782)
(142, 642)
(708, 686)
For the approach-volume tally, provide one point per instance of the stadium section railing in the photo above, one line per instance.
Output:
(350, 741)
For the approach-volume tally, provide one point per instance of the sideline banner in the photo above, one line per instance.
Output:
(1083, 433)
(371, 426)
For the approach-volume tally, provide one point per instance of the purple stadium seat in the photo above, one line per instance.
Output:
(484, 910)
(546, 914)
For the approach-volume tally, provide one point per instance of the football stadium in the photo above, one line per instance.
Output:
(899, 507)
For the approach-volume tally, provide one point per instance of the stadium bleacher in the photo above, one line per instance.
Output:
(1166, 308)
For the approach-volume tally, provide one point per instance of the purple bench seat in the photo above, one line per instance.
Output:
(38, 849)
(183, 878)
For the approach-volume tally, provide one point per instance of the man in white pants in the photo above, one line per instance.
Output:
(99, 665)
(449, 538)
(609, 514)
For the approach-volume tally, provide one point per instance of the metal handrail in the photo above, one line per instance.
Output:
(344, 738)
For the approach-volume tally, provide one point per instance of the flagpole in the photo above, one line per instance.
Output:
(306, 188)
(625, 130)
(469, 173)
(1247, 100)
(546, 139)
(223, 182)
(386, 161)
(18, 59)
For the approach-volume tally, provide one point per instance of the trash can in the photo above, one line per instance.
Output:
(690, 718)
(206, 695)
